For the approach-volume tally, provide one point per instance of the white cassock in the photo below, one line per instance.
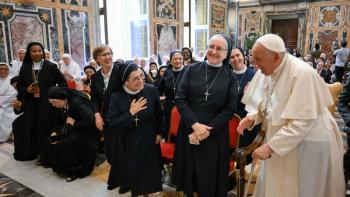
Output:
(15, 68)
(73, 69)
(308, 158)
(7, 115)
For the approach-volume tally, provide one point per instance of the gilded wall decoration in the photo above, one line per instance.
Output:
(165, 9)
(217, 19)
(326, 38)
(253, 21)
(329, 16)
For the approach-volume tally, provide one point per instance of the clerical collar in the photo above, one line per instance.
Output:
(37, 65)
(179, 69)
(238, 72)
(127, 90)
(276, 72)
(214, 65)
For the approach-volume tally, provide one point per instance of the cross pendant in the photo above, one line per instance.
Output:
(174, 89)
(136, 120)
(206, 95)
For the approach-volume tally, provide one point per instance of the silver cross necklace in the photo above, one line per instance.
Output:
(206, 93)
(136, 118)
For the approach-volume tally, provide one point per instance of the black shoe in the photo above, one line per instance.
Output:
(72, 178)
(111, 187)
(123, 190)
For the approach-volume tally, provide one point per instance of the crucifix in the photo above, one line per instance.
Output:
(174, 89)
(206, 95)
(136, 120)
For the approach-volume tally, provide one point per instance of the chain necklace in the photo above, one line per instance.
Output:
(177, 79)
(136, 119)
(206, 93)
(36, 75)
(270, 94)
(240, 82)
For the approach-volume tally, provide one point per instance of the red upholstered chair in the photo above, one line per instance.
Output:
(168, 147)
(234, 138)
(71, 84)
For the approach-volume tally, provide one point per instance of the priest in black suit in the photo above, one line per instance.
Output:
(206, 99)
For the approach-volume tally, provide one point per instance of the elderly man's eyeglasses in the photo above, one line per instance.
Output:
(106, 54)
(218, 49)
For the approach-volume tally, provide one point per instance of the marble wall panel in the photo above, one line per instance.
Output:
(25, 28)
(3, 49)
(75, 2)
(76, 36)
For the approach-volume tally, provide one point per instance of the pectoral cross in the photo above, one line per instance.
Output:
(136, 120)
(174, 89)
(206, 95)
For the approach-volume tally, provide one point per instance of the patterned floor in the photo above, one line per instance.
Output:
(9, 187)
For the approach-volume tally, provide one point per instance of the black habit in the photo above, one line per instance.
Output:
(38, 114)
(167, 87)
(75, 154)
(141, 155)
(204, 168)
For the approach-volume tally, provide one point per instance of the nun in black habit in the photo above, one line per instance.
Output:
(136, 113)
(170, 82)
(75, 154)
(206, 99)
(35, 78)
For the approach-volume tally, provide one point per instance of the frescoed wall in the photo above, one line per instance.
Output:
(62, 26)
(324, 22)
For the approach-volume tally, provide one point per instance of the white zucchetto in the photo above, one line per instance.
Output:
(272, 42)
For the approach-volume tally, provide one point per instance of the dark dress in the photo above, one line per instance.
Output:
(204, 168)
(38, 114)
(248, 136)
(76, 153)
(100, 96)
(141, 156)
(169, 81)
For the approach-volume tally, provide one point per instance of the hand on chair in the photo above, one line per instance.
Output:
(246, 122)
(263, 152)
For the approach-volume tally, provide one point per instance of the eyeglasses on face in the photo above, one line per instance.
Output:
(218, 49)
(106, 54)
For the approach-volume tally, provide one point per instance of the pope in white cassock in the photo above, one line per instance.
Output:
(7, 94)
(303, 150)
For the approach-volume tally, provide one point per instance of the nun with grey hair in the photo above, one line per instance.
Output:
(303, 149)
(206, 99)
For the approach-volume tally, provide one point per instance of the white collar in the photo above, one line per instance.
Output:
(240, 71)
(214, 65)
(127, 90)
(179, 69)
(108, 74)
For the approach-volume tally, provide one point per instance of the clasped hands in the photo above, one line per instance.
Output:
(200, 133)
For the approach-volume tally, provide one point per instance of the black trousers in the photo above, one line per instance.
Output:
(339, 72)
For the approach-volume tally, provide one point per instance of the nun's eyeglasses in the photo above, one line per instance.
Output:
(141, 77)
(218, 49)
